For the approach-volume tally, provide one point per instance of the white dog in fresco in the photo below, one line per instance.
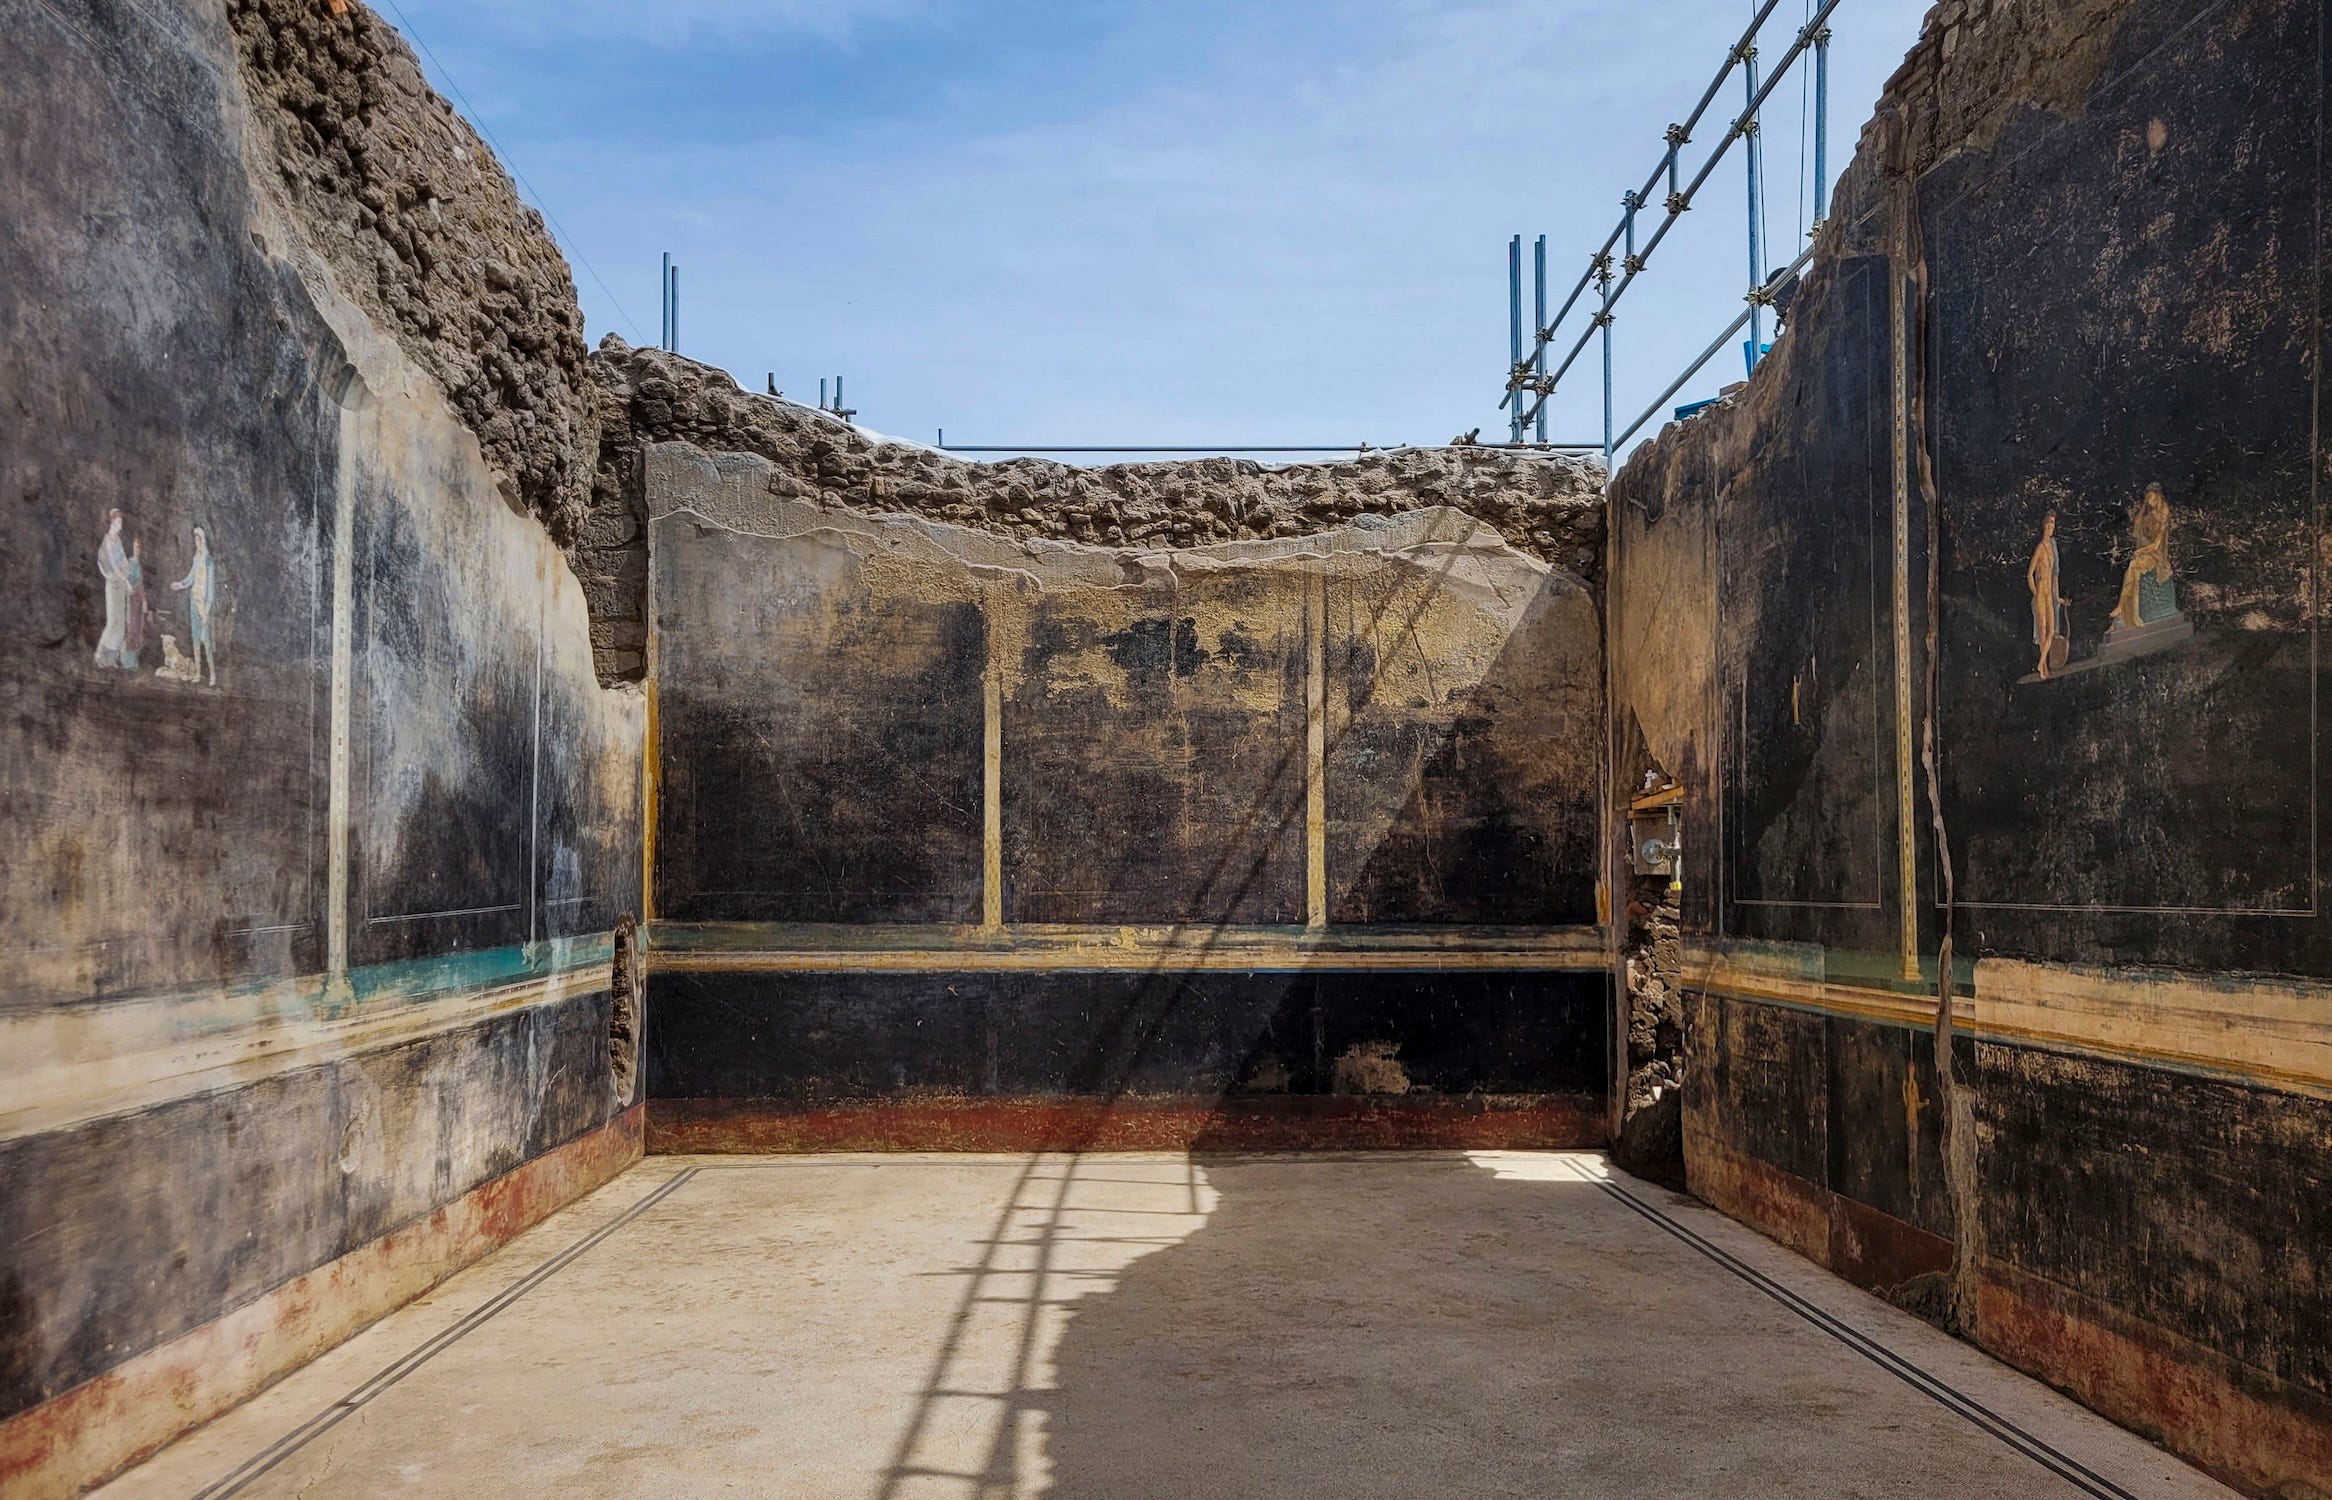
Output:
(176, 666)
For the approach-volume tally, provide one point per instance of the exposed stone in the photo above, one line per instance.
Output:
(420, 226)
(1550, 506)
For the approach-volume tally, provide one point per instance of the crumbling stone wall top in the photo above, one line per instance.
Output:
(1978, 61)
(1544, 504)
(420, 226)
(406, 210)
(1547, 505)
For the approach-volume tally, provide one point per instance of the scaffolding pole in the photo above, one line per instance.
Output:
(1821, 127)
(1515, 419)
(671, 305)
(1538, 320)
(1678, 137)
(1709, 353)
(1677, 204)
(947, 447)
(1603, 320)
(1753, 162)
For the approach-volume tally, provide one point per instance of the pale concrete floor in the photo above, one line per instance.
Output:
(1133, 1326)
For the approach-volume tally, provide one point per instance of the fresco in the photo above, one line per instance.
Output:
(823, 739)
(822, 683)
(2123, 353)
(949, 816)
(2145, 617)
(1153, 751)
(134, 621)
(164, 542)
(179, 1134)
(1454, 765)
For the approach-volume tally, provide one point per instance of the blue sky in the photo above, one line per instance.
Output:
(1122, 221)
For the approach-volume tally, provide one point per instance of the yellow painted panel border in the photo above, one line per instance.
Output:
(2268, 1032)
(2274, 1032)
(67, 1066)
(750, 947)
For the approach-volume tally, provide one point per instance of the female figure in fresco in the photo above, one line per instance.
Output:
(201, 587)
(2048, 602)
(2147, 594)
(133, 636)
(113, 565)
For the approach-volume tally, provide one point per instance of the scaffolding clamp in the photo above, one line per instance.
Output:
(1678, 136)
(1633, 263)
(1679, 202)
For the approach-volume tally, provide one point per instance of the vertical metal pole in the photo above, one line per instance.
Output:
(1538, 322)
(664, 296)
(676, 309)
(1821, 125)
(1514, 332)
(1607, 371)
(1756, 211)
(822, 394)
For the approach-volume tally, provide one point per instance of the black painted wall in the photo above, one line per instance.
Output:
(817, 1039)
(823, 682)
(2126, 298)
(168, 865)
(2084, 246)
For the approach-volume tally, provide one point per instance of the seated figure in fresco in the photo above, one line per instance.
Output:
(2146, 618)
(2148, 597)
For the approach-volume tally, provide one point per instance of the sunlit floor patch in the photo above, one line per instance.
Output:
(1150, 1326)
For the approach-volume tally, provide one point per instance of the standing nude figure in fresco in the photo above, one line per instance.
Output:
(2147, 594)
(2048, 601)
(113, 565)
(201, 587)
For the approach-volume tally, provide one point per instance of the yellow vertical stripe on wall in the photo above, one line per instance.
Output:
(1316, 749)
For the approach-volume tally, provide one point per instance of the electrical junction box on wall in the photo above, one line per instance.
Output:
(1656, 829)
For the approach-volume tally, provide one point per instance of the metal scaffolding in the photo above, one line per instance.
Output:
(1527, 375)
